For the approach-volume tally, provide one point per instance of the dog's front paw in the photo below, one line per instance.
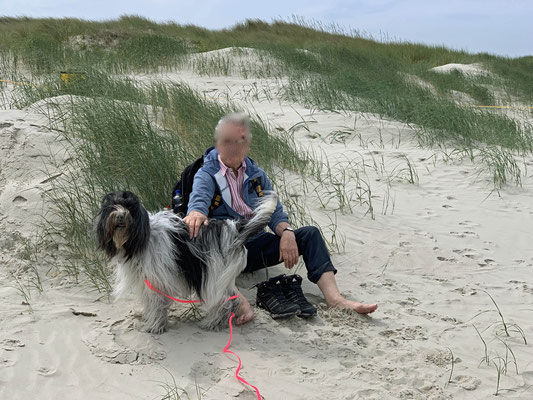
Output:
(156, 329)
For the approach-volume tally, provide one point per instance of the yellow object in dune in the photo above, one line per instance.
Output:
(71, 76)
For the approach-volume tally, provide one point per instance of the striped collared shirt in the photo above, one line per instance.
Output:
(235, 184)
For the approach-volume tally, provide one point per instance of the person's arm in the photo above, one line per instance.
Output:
(288, 249)
(280, 228)
(278, 215)
(203, 189)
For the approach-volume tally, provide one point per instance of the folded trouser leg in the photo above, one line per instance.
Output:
(263, 251)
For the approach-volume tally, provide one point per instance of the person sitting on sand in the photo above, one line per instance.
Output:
(228, 166)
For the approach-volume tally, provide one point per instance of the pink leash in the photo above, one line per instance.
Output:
(225, 350)
(178, 300)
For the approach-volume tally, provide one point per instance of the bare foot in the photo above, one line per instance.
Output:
(245, 312)
(361, 308)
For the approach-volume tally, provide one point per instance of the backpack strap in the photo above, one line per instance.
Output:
(256, 185)
(216, 201)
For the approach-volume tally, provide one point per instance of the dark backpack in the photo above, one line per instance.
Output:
(185, 186)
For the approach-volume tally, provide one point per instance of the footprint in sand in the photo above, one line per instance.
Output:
(6, 362)
(205, 372)
(464, 234)
(45, 371)
(403, 248)
(527, 289)
(427, 213)
(487, 261)
(440, 258)
(440, 358)
(10, 344)
(408, 333)
(19, 199)
(469, 253)
(468, 224)
(410, 301)
(120, 342)
(426, 235)
(465, 291)
(466, 382)
(431, 316)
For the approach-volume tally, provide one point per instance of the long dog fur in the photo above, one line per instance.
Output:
(157, 247)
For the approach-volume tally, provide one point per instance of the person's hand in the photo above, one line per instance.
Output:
(194, 221)
(288, 249)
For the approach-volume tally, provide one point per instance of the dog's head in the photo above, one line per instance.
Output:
(122, 223)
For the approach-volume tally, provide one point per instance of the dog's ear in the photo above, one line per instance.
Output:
(103, 238)
(130, 200)
(127, 195)
(139, 230)
(108, 200)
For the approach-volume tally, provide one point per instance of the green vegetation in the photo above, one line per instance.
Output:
(492, 357)
(337, 71)
(141, 144)
(128, 135)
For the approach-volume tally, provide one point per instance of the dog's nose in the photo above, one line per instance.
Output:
(120, 219)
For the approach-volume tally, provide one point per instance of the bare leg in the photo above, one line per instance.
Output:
(245, 311)
(328, 286)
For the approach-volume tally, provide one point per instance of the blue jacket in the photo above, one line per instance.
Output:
(209, 175)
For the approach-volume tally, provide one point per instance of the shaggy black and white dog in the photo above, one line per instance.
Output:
(156, 247)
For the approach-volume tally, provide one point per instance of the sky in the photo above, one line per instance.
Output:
(502, 27)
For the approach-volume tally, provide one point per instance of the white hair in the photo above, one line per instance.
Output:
(162, 253)
(236, 118)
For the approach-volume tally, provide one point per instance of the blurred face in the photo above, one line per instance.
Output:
(233, 144)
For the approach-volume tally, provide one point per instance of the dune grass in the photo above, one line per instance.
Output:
(349, 79)
(327, 69)
(354, 62)
(125, 135)
(504, 332)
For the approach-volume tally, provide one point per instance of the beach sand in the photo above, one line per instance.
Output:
(428, 259)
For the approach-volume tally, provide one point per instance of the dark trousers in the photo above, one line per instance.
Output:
(263, 251)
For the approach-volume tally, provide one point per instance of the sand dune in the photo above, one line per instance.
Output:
(467, 69)
(427, 262)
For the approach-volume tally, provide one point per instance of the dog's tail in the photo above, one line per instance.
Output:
(250, 227)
